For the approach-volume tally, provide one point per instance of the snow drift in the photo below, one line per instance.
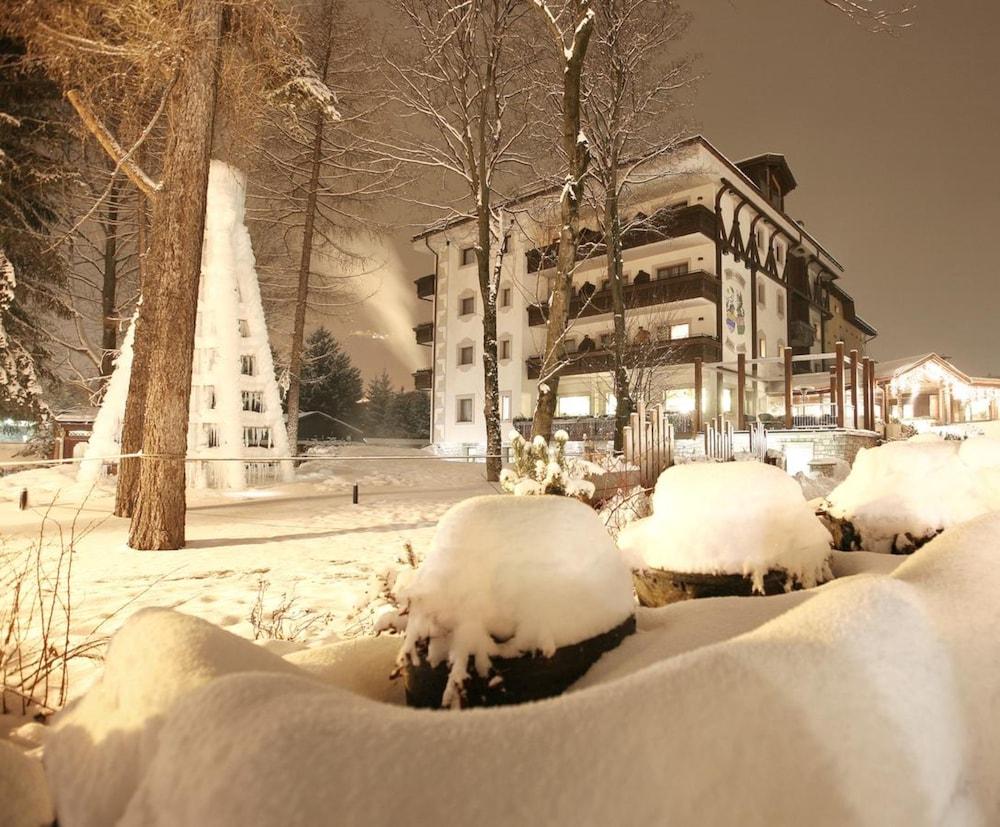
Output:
(743, 518)
(918, 487)
(867, 701)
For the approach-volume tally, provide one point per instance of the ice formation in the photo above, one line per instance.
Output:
(509, 575)
(730, 518)
(920, 487)
(235, 407)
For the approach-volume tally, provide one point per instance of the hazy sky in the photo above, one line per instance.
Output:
(892, 140)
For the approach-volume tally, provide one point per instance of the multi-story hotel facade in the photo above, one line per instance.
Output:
(714, 266)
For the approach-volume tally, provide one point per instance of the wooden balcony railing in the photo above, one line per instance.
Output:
(697, 285)
(422, 379)
(424, 333)
(425, 286)
(675, 352)
(658, 227)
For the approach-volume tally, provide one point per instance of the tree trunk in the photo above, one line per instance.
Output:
(109, 288)
(577, 160)
(176, 237)
(305, 264)
(488, 281)
(135, 403)
(613, 231)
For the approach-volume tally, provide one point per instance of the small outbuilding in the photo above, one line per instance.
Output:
(318, 426)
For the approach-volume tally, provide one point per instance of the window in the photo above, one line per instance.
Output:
(573, 406)
(762, 294)
(464, 409)
(760, 238)
(466, 354)
(506, 297)
(610, 404)
(679, 400)
(468, 256)
(256, 437)
(672, 270)
(780, 251)
(208, 397)
(569, 344)
(781, 304)
(253, 401)
(762, 348)
(212, 436)
(248, 364)
(244, 328)
(680, 331)
(466, 305)
(505, 406)
(504, 348)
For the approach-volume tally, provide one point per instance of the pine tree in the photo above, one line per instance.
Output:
(412, 414)
(330, 383)
(380, 407)
(29, 266)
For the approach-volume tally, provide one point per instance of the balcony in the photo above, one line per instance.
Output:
(422, 379)
(655, 354)
(658, 227)
(424, 333)
(697, 285)
(425, 286)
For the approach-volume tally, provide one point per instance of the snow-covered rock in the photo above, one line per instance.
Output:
(867, 701)
(917, 487)
(743, 518)
(511, 575)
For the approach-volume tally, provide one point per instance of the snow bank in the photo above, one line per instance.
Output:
(24, 796)
(730, 518)
(867, 701)
(919, 487)
(510, 575)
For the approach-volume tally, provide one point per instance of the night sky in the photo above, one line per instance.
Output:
(892, 140)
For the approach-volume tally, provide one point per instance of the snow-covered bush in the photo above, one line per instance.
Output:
(541, 468)
(901, 494)
(625, 507)
(743, 518)
(378, 610)
(508, 576)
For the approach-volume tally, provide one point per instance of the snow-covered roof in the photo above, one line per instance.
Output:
(885, 371)
(80, 414)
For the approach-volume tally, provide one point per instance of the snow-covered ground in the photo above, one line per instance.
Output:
(305, 541)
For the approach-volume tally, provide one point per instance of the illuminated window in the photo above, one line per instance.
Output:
(680, 331)
(505, 405)
(573, 406)
(610, 404)
(762, 348)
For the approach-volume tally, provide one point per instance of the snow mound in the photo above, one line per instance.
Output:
(730, 518)
(918, 487)
(24, 796)
(510, 575)
(868, 701)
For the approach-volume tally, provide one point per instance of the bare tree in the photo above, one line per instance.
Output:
(173, 54)
(570, 25)
(313, 186)
(460, 93)
(630, 112)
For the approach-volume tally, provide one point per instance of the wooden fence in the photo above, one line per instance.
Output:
(719, 440)
(649, 443)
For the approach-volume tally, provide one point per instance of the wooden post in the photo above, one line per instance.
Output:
(697, 395)
(788, 388)
(866, 369)
(839, 375)
(871, 391)
(854, 386)
(833, 393)
(741, 390)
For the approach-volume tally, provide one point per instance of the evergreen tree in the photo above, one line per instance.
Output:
(29, 266)
(330, 383)
(380, 407)
(412, 414)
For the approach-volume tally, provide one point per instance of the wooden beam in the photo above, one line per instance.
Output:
(697, 396)
(833, 393)
(788, 388)
(866, 370)
(839, 375)
(854, 386)
(741, 391)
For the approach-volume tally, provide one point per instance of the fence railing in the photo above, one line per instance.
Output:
(648, 442)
